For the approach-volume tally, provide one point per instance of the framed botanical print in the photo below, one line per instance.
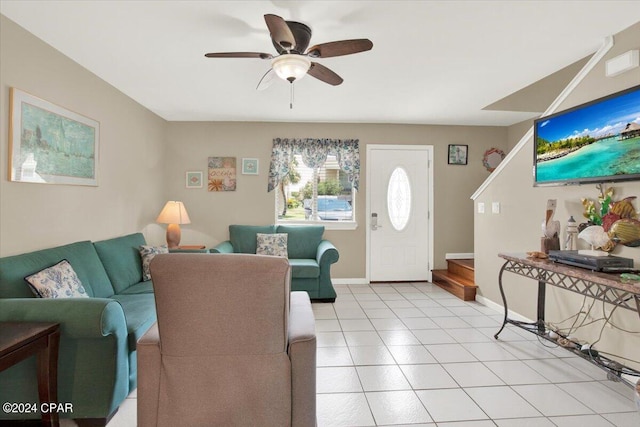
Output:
(222, 174)
(458, 154)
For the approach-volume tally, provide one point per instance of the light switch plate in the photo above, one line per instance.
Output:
(480, 207)
(495, 207)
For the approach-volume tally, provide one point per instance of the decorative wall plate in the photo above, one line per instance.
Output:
(492, 158)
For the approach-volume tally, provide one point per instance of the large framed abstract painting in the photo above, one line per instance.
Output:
(49, 144)
(222, 174)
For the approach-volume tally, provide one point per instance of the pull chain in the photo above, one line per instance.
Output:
(291, 97)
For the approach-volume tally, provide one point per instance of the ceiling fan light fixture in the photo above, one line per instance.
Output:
(291, 66)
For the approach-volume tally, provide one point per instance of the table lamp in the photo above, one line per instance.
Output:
(173, 214)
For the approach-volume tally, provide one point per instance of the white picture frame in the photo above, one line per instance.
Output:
(49, 144)
(194, 179)
(250, 166)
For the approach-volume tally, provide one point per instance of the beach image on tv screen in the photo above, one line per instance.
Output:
(598, 140)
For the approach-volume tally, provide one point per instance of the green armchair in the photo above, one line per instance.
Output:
(309, 254)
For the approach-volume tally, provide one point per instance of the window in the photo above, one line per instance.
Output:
(399, 198)
(327, 185)
(315, 181)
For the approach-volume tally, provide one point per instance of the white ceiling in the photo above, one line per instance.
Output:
(434, 62)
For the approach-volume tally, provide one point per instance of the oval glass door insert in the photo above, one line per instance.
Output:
(399, 198)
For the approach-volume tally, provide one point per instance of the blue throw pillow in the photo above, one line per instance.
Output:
(57, 281)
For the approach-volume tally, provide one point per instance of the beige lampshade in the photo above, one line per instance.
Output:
(173, 213)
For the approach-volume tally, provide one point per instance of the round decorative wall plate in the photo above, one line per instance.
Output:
(492, 158)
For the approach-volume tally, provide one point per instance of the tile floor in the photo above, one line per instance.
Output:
(412, 354)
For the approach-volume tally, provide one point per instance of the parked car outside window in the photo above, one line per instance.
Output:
(330, 208)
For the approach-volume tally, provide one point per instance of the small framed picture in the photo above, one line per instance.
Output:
(458, 154)
(194, 179)
(250, 166)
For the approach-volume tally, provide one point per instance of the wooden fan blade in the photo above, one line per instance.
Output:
(280, 31)
(339, 48)
(266, 80)
(324, 74)
(259, 55)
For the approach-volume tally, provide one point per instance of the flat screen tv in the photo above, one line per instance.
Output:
(591, 143)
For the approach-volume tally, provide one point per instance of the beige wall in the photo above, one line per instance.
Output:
(516, 132)
(517, 227)
(35, 216)
(143, 160)
(190, 143)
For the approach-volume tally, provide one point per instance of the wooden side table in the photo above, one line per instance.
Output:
(20, 340)
(190, 249)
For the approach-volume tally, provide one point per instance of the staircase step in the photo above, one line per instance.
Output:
(462, 267)
(457, 285)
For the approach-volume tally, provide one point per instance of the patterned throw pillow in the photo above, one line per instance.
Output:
(57, 281)
(272, 244)
(147, 253)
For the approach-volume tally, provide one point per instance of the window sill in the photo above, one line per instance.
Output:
(328, 225)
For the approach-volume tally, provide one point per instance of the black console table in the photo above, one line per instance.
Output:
(599, 286)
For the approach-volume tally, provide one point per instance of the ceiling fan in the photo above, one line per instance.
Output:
(293, 62)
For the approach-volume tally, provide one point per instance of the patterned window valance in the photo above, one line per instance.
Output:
(314, 153)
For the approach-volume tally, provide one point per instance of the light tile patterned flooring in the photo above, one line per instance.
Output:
(412, 354)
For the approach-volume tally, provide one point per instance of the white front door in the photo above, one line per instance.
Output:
(399, 202)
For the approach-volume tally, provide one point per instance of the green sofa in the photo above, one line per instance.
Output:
(97, 357)
(309, 254)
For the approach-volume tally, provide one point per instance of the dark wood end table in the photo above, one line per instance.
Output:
(20, 340)
(191, 247)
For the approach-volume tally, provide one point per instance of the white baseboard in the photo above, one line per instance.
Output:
(488, 303)
(459, 256)
(500, 309)
(515, 316)
(354, 281)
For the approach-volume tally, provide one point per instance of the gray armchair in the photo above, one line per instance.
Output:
(232, 345)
